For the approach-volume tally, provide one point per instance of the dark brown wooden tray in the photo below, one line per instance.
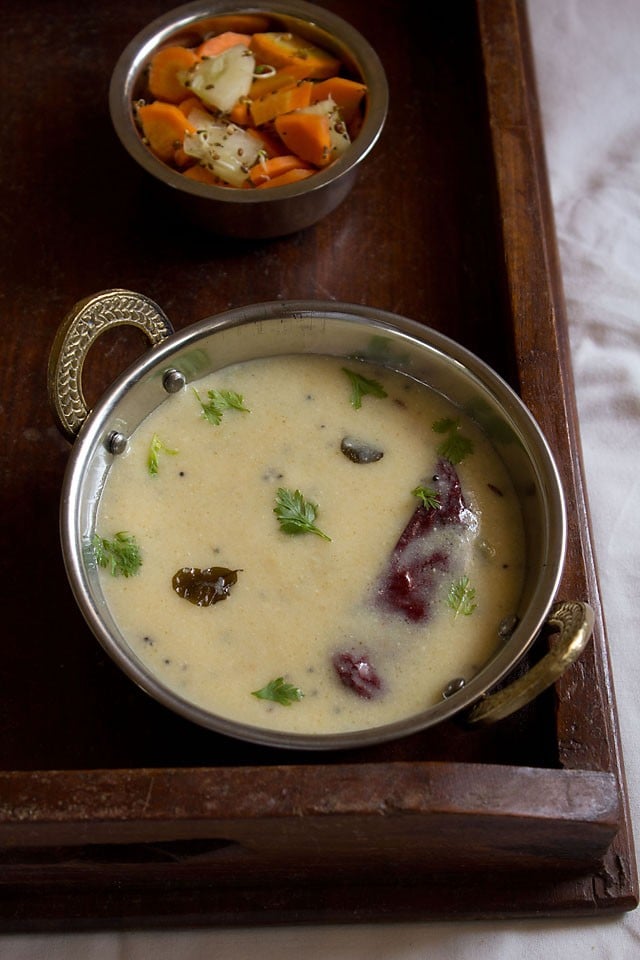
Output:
(115, 813)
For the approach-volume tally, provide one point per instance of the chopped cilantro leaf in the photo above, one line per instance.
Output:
(155, 447)
(361, 386)
(280, 692)
(219, 401)
(455, 447)
(427, 496)
(296, 514)
(121, 555)
(461, 597)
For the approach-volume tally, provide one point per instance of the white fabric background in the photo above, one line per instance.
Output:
(587, 54)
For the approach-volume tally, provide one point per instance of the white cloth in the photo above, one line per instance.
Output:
(586, 54)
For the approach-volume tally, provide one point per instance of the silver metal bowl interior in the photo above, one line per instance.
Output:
(343, 330)
(251, 213)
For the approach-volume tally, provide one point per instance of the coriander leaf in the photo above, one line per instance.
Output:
(155, 447)
(361, 386)
(445, 425)
(295, 514)
(455, 447)
(428, 496)
(280, 692)
(461, 597)
(121, 555)
(219, 401)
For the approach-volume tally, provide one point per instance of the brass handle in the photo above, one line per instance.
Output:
(79, 330)
(575, 623)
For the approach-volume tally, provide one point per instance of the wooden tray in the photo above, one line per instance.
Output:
(114, 813)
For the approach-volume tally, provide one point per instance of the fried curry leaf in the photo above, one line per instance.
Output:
(206, 586)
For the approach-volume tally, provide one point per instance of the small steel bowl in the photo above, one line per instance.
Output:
(325, 328)
(228, 211)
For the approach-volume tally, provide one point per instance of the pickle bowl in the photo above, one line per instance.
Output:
(177, 360)
(230, 210)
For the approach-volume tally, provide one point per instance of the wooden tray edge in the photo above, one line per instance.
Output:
(528, 223)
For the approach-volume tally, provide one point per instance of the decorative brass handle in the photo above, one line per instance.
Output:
(575, 622)
(79, 330)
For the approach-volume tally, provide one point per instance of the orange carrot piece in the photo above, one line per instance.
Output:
(164, 73)
(274, 167)
(191, 103)
(280, 101)
(223, 41)
(199, 173)
(270, 143)
(240, 113)
(164, 126)
(347, 94)
(283, 49)
(292, 176)
(307, 135)
(276, 81)
(181, 159)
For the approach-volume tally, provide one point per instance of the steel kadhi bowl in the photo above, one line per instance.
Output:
(324, 328)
